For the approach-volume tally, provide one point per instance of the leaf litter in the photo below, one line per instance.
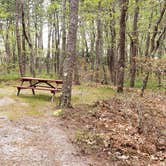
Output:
(122, 130)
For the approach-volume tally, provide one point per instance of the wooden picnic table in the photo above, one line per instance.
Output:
(40, 84)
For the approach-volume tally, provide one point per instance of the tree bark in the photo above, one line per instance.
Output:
(32, 58)
(112, 49)
(57, 35)
(92, 50)
(19, 49)
(121, 61)
(70, 55)
(98, 43)
(7, 46)
(48, 49)
(134, 46)
(154, 46)
(76, 73)
(63, 52)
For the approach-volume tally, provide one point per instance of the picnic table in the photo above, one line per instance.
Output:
(40, 84)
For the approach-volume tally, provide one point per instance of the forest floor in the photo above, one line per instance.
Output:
(102, 128)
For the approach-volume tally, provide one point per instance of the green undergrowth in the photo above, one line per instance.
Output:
(15, 76)
(88, 94)
(152, 84)
(9, 77)
(40, 104)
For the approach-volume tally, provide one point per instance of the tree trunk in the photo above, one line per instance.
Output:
(24, 55)
(7, 47)
(63, 52)
(48, 49)
(57, 35)
(28, 39)
(92, 51)
(112, 49)
(105, 80)
(76, 73)
(98, 43)
(19, 50)
(134, 46)
(121, 61)
(70, 55)
(40, 38)
(154, 45)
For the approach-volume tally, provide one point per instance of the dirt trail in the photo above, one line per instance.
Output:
(36, 141)
(33, 141)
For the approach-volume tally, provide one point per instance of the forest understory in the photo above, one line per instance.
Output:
(107, 58)
(124, 131)
(118, 129)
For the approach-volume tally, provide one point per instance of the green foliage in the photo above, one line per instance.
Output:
(10, 76)
(88, 94)
(53, 7)
(7, 9)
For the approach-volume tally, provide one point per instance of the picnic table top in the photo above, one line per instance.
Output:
(40, 79)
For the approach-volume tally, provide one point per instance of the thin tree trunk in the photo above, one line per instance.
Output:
(105, 79)
(76, 73)
(36, 39)
(53, 49)
(24, 55)
(134, 46)
(7, 46)
(57, 46)
(19, 50)
(48, 49)
(92, 51)
(112, 49)
(70, 55)
(63, 52)
(32, 58)
(40, 38)
(154, 46)
(121, 61)
(98, 43)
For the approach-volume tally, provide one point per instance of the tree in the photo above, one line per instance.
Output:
(63, 37)
(154, 45)
(28, 39)
(122, 34)
(98, 42)
(70, 55)
(19, 49)
(112, 45)
(134, 45)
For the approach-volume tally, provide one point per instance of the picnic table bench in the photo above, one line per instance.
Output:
(40, 84)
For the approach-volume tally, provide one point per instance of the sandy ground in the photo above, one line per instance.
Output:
(36, 141)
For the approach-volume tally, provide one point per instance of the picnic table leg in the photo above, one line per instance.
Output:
(33, 91)
(52, 98)
(18, 92)
(19, 89)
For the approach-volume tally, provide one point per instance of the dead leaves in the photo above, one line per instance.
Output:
(113, 127)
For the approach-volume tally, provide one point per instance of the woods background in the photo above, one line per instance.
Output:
(118, 42)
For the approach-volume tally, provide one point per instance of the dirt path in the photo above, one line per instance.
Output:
(35, 141)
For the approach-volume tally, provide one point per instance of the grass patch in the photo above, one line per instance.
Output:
(9, 77)
(34, 112)
(152, 83)
(31, 99)
(87, 94)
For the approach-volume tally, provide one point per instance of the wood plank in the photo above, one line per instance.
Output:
(39, 88)
(40, 79)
